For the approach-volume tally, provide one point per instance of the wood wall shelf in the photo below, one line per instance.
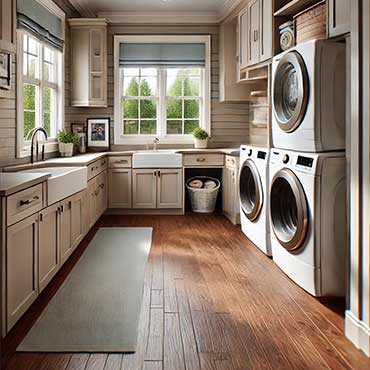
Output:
(294, 7)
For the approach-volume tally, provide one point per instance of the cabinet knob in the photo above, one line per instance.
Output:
(29, 201)
(201, 160)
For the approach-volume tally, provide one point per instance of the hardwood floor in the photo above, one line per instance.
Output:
(212, 301)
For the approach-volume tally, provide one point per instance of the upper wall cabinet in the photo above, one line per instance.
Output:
(88, 49)
(339, 17)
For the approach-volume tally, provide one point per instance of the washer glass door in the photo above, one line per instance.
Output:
(250, 190)
(290, 94)
(288, 210)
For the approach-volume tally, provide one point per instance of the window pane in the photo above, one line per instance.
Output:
(189, 126)
(148, 127)
(191, 109)
(131, 109)
(131, 86)
(131, 72)
(32, 46)
(191, 86)
(148, 109)
(131, 127)
(48, 55)
(29, 122)
(174, 108)
(32, 66)
(174, 82)
(47, 119)
(48, 72)
(174, 127)
(29, 96)
(149, 72)
(148, 86)
(48, 113)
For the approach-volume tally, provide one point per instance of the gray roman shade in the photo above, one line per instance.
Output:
(162, 54)
(45, 26)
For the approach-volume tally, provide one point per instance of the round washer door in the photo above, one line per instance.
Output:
(290, 95)
(288, 210)
(250, 190)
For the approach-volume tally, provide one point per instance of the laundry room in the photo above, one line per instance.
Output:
(184, 184)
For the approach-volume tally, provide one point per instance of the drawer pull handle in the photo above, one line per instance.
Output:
(101, 186)
(201, 160)
(29, 201)
(122, 161)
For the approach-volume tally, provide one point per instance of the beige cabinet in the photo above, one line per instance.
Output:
(242, 43)
(339, 12)
(253, 34)
(8, 25)
(88, 53)
(22, 269)
(48, 247)
(169, 188)
(65, 239)
(96, 198)
(230, 193)
(78, 218)
(91, 202)
(266, 30)
(144, 188)
(119, 194)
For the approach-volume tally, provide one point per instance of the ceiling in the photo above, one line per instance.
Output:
(196, 7)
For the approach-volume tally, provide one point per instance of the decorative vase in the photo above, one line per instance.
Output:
(66, 149)
(200, 144)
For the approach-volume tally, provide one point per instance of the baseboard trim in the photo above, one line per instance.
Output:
(357, 332)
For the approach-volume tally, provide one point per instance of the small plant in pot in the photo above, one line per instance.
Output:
(67, 140)
(200, 138)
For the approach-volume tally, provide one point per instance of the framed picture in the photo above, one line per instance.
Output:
(5, 73)
(78, 128)
(98, 133)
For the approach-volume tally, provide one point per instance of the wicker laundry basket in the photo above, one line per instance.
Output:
(203, 200)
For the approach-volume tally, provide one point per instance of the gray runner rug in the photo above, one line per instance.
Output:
(98, 306)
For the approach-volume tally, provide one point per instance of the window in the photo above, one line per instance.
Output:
(40, 98)
(165, 101)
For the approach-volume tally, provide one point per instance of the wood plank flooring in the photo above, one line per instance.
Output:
(212, 301)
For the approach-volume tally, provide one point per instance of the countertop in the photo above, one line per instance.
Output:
(88, 158)
(16, 181)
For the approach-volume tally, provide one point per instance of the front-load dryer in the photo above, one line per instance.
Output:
(308, 219)
(308, 97)
(253, 186)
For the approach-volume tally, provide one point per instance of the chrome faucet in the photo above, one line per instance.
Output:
(155, 143)
(33, 137)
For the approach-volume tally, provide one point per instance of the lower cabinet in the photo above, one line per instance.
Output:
(78, 218)
(96, 198)
(91, 203)
(162, 188)
(119, 195)
(48, 251)
(22, 268)
(231, 194)
(65, 240)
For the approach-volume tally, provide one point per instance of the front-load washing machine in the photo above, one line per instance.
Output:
(308, 97)
(253, 186)
(308, 219)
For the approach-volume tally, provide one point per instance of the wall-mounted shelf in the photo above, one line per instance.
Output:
(294, 7)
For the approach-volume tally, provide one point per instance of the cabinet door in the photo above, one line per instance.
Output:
(144, 189)
(230, 194)
(339, 17)
(65, 239)
(242, 40)
(266, 30)
(169, 188)
(8, 25)
(101, 200)
(119, 182)
(78, 218)
(21, 268)
(91, 202)
(253, 32)
(48, 244)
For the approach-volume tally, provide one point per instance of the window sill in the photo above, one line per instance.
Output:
(148, 139)
(50, 147)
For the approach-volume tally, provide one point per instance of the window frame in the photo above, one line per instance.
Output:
(205, 111)
(23, 146)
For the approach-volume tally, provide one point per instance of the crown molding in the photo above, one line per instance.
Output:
(161, 17)
(83, 8)
(228, 7)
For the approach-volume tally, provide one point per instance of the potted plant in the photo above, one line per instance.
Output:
(67, 140)
(200, 138)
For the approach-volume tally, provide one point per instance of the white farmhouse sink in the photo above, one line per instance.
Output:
(63, 182)
(157, 159)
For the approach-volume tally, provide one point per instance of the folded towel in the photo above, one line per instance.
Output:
(210, 184)
(197, 184)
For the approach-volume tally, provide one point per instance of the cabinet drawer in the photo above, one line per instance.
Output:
(23, 204)
(232, 162)
(119, 161)
(96, 167)
(204, 159)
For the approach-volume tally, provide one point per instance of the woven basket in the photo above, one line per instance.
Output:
(203, 200)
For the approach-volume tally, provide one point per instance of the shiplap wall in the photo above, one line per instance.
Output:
(229, 122)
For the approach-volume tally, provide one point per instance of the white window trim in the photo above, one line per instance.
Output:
(121, 139)
(23, 148)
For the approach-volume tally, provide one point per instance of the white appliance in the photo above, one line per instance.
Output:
(308, 219)
(253, 186)
(308, 97)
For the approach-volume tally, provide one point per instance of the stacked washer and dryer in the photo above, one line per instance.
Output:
(304, 198)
